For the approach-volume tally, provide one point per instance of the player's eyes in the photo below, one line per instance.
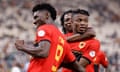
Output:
(67, 19)
(35, 17)
(80, 19)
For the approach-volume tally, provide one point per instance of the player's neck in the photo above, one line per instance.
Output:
(49, 21)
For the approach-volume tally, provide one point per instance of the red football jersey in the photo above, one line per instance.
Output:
(65, 69)
(90, 68)
(88, 48)
(101, 59)
(59, 50)
(68, 34)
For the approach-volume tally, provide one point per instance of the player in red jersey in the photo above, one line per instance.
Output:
(50, 48)
(88, 48)
(66, 23)
(100, 59)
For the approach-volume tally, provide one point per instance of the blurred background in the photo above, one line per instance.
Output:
(16, 23)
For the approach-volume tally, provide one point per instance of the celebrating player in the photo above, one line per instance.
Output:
(86, 50)
(50, 48)
(66, 22)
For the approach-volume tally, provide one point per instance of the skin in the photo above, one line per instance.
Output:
(69, 29)
(42, 50)
(82, 33)
(68, 22)
(90, 33)
(80, 25)
(73, 66)
(43, 47)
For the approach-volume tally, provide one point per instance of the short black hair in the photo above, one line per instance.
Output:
(62, 19)
(45, 6)
(81, 11)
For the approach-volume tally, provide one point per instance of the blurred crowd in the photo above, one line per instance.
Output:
(16, 23)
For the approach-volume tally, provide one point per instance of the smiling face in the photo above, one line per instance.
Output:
(68, 22)
(80, 23)
(40, 17)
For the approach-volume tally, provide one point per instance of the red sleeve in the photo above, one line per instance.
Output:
(43, 34)
(103, 60)
(97, 59)
(69, 57)
(92, 50)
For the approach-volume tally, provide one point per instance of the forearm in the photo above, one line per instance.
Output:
(42, 49)
(87, 35)
(73, 66)
(75, 37)
(84, 62)
(78, 37)
(34, 51)
(78, 68)
(67, 65)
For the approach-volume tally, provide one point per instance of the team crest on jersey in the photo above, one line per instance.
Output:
(82, 44)
(41, 33)
(92, 53)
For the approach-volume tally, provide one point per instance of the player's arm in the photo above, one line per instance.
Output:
(71, 62)
(104, 62)
(42, 49)
(77, 37)
(84, 62)
(73, 66)
(90, 53)
(77, 67)
(96, 68)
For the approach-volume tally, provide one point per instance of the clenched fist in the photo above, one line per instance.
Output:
(19, 44)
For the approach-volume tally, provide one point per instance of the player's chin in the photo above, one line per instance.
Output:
(81, 31)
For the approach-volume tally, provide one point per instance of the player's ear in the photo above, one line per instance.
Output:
(47, 15)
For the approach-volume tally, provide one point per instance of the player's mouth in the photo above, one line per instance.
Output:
(82, 28)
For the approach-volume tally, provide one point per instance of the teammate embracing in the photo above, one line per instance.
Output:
(86, 49)
(50, 48)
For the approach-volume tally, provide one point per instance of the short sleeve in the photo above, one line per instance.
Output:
(43, 34)
(92, 51)
(104, 60)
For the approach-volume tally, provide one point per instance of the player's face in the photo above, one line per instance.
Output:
(68, 22)
(40, 17)
(80, 23)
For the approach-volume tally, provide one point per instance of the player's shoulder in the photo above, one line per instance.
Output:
(44, 30)
(101, 53)
(94, 40)
(47, 28)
